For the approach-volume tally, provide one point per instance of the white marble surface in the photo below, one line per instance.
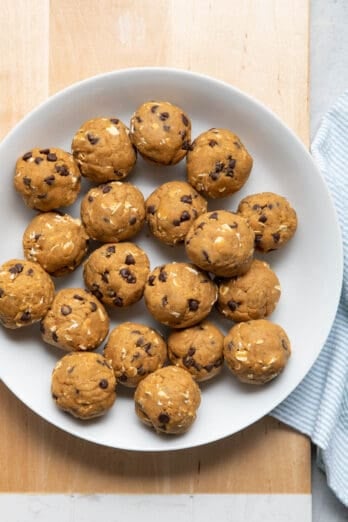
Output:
(329, 79)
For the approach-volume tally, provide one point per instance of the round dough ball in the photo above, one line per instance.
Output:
(26, 292)
(116, 273)
(135, 351)
(198, 349)
(83, 384)
(272, 218)
(57, 242)
(168, 400)
(221, 242)
(171, 210)
(218, 164)
(179, 294)
(113, 212)
(161, 132)
(256, 351)
(76, 320)
(103, 150)
(253, 295)
(47, 178)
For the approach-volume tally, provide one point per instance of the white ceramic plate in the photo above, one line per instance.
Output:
(309, 267)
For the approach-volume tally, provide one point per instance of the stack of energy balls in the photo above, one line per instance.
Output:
(220, 270)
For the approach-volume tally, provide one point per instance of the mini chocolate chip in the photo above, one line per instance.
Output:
(164, 116)
(202, 225)
(163, 276)
(124, 272)
(163, 418)
(78, 297)
(270, 206)
(27, 181)
(55, 337)
(55, 397)
(151, 209)
(185, 120)
(111, 293)
(51, 156)
(263, 218)
(27, 156)
(147, 347)
(256, 207)
(93, 306)
(154, 108)
(132, 220)
(232, 163)
(16, 269)
(139, 120)
(219, 166)
(258, 239)
(110, 250)
(214, 215)
(103, 384)
(166, 128)
(26, 316)
(106, 189)
(186, 199)
(114, 120)
(131, 279)
(62, 170)
(214, 175)
(38, 160)
(186, 145)
(136, 332)
(212, 143)
(49, 180)
(232, 305)
(229, 173)
(176, 222)
(93, 140)
(95, 291)
(37, 237)
(140, 341)
(208, 368)
(276, 237)
(164, 300)
(191, 351)
(129, 260)
(185, 216)
(206, 256)
(44, 151)
(183, 134)
(188, 361)
(237, 144)
(141, 371)
(105, 276)
(151, 280)
(66, 310)
(30, 272)
(118, 301)
(90, 199)
(193, 304)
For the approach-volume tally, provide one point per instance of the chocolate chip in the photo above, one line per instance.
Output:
(186, 199)
(191, 351)
(163, 276)
(163, 418)
(140, 341)
(132, 220)
(62, 170)
(208, 368)
(233, 225)
(124, 272)
(276, 237)
(49, 180)
(16, 269)
(214, 215)
(151, 209)
(110, 250)
(186, 145)
(38, 160)
(111, 293)
(66, 310)
(176, 222)
(183, 134)
(105, 276)
(256, 207)
(147, 347)
(131, 279)
(188, 361)
(154, 108)
(258, 239)
(141, 371)
(202, 225)
(103, 384)
(30, 272)
(78, 297)
(139, 120)
(263, 218)
(90, 199)
(44, 151)
(185, 120)
(214, 175)
(232, 305)
(93, 140)
(95, 291)
(185, 216)
(27, 156)
(212, 143)
(136, 332)
(93, 306)
(51, 156)
(164, 116)
(114, 120)
(118, 301)
(55, 337)
(166, 128)
(151, 280)
(229, 173)
(164, 301)
(26, 316)
(122, 377)
(55, 397)
(27, 181)
(129, 260)
(206, 256)
(231, 163)
(193, 304)
(106, 189)
(270, 206)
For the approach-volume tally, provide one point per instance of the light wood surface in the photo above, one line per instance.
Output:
(260, 47)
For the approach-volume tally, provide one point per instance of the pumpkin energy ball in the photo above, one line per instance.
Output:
(171, 210)
(256, 351)
(57, 242)
(113, 212)
(103, 150)
(26, 292)
(47, 178)
(179, 294)
(272, 218)
(253, 295)
(135, 351)
(167, 400)
(221, 242)
(116, 273)
(161, 132)
(83, 384)
(198, 349)
(218, 164)
(75, 321)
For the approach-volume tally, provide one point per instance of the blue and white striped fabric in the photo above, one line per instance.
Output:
(319, 405)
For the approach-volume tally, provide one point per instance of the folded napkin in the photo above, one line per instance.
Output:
(318, 407)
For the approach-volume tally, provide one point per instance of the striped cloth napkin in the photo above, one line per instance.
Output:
(319, 405)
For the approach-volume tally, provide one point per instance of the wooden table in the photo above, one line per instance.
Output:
(260, 47)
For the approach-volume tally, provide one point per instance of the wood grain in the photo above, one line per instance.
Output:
(260, 47)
